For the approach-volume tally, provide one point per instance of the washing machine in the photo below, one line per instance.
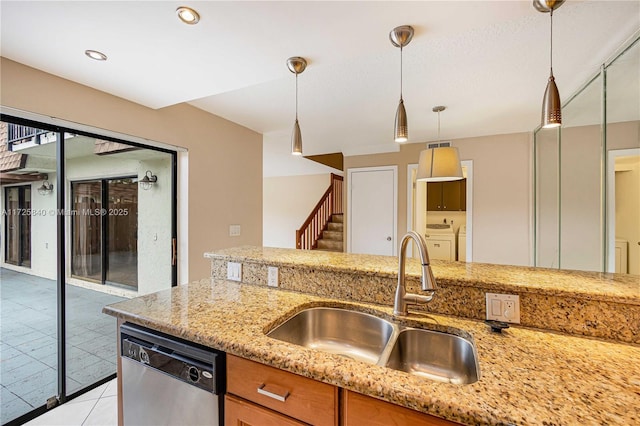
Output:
(441, 241)
(462, 243)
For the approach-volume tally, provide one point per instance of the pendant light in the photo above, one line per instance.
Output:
(400, 37)
(551, 107)
(439, 164)
(296, 65)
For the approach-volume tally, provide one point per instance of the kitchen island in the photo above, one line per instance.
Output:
(528, 376)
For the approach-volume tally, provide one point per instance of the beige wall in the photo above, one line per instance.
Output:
(225, 159)
(287, 202)
(501, 192)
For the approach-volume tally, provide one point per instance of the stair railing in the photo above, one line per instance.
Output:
(330, 203)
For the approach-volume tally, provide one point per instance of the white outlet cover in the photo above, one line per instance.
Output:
(234, 271)
(503, 307)
(272, 276)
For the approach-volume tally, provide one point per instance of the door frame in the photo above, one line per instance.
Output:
(468, 164)
(610, 257)
(21, 206)
(394, 169)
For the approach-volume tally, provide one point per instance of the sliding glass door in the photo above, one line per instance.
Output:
(18, 225)
(122, 232)
(86, 231)
(104, 231)
(71, 230)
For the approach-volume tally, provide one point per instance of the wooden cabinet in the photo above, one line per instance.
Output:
(269, 391)
(238, 412)
(359, 409)
(447, 196)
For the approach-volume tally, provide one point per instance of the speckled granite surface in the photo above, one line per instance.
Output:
(528, 377)
(590, 304)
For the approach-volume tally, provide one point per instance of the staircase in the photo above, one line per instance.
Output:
(331, 239)
(323, 228)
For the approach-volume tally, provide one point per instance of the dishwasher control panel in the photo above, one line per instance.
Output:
(187, 363)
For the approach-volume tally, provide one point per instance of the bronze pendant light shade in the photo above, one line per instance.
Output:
(400, 37)
(551, 105)
(296, 65)
(551, 108)
(401, 129)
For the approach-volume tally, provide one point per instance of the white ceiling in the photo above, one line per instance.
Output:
(486, 61)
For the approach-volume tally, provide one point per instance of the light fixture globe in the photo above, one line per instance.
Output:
(148, 180)
(45, 188)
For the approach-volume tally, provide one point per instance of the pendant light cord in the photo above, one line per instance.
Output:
(400, 72)
(438, 128)
(296, 96)
(551, 42)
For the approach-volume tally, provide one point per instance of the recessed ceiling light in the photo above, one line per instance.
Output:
(94, 54)
(188, 15)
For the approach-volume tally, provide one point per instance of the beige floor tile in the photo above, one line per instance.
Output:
(65, 415)
(105, 413)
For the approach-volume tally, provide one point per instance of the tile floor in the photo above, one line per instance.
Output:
(28, 341)
(98, 407)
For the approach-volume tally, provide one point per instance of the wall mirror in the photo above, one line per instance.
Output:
(587, 175)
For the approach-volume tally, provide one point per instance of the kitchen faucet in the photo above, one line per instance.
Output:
(403, 299)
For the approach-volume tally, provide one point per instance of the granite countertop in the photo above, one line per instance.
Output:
(587, 285)
(527, 376)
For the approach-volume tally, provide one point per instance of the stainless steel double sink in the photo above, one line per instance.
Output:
(361, 336)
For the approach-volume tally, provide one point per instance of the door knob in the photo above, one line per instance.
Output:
(388, 238)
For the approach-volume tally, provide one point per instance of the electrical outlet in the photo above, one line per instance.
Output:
(234, 271)
(272, 276)
(503, 307)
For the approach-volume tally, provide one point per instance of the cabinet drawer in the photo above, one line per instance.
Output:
(238, 412)
(363, 410)
(304, 399)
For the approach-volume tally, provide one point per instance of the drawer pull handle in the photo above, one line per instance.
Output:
(437, 245)
(263, 391)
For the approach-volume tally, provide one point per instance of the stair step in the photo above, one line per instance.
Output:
(334, 226)
(332, 235)
(330, 245)
(337, 218)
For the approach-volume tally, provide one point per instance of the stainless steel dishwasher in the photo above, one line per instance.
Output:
(169, 381)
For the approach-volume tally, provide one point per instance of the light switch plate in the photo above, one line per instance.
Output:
(234, 230)
(272, 276)
(503, 307)
(234, 271)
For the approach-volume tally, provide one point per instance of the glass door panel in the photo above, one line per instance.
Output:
(122, 232)
(18, 225)
(28, 297)
(86, 234)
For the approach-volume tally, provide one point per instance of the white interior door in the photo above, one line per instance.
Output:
(373, 202)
